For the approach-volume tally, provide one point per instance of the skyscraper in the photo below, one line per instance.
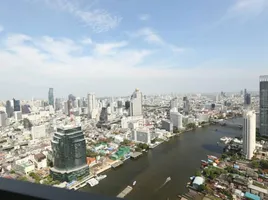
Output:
(50, 97)
(91, 98)
(136, 103)
(16, 104)
(264, 105)
(9, 109)
(249, 134)
(186, 105)
(174, 103)
(3, 117)
(69, 154)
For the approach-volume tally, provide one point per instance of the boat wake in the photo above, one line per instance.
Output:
(167, 180)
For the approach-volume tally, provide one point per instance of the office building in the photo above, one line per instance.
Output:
(249, 134)
(91, 98)
(69, 154)
(264, 105)
(9, 109)
(142, 135)
(18, 115)
(16, 104)
(167, 125)
(3, 119)
(247, 99)
(186, 105)
(38, 132)
(174, 103)
(50, 97)
(136, 104)
(176, 118)
(67, 108)
(25, 109)
(58, 104)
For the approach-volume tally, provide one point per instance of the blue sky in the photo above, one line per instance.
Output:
(113, 46)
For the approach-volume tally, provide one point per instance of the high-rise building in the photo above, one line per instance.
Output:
(69, 154)
(264, 105)
(174, 103)
(18, 115)
(9, 109)
(3, 119)
(142, 135)
(136, 104)
(249, 134)
(58, 104)
(50, 97)
(186, 105)
(67, 108)
(16, 104)
(25, 109)
(176, 119)
(91, 98)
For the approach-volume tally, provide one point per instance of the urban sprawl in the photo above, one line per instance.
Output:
(69, 143)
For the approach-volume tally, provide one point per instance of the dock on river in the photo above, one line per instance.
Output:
(125, 192)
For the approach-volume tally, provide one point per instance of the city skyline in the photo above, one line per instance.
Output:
(210, 42)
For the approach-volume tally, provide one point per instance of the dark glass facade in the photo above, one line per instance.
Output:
(264, 105)
(16, 105)
(69, 154)
(50, 97)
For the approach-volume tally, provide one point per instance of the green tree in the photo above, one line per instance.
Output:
(12, 171)
(255, 164)
(198, 173)
(201, 188)
(126, 142)
(91, 153)
(23, 178)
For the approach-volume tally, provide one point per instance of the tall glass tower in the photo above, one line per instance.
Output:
(50, 97)
(69, 154)
(264, 105)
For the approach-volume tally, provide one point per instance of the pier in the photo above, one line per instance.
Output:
(135, 155)
(125, 192)
(117, 164)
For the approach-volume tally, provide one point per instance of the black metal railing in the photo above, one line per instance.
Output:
(21, 190)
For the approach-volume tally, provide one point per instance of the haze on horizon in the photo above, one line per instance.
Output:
(111, 48)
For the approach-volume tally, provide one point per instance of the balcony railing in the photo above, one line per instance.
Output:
(21, 190)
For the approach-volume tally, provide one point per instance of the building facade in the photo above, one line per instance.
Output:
(69, 154)
(16, 104)
(91, 104)
(9, 109)
(249, 134)
(264, 105)
(3, 119)
(136, 104)
(51, 97)
(142, 135)
(176, 119)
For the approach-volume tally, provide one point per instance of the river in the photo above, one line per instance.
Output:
(178, 158)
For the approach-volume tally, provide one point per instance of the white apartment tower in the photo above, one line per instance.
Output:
(176, 118)
(136, 104)
(249, 134)
(91, 103)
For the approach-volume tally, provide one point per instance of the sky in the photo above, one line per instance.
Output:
(111, 47)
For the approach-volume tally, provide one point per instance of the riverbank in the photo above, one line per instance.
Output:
(178, 158)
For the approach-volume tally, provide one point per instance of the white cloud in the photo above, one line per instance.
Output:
(39, 63)
(246, 9)
(151, 37)
(109, 48)
(144, 17)
(87, 41)
(1, 28)
(98, 19)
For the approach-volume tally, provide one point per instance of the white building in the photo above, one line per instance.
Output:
(18, 115)
(203, 117)
(174, 103)
(91, 103)
(3, 119)
(249, 134)
(136, 104)
(176, 119)
(142, 135)
(38, 132)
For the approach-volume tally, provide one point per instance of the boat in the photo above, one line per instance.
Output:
(212, 157)
(203, 161)
(92, 182)
(168, 179)
(134, 183)
(101, 177)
